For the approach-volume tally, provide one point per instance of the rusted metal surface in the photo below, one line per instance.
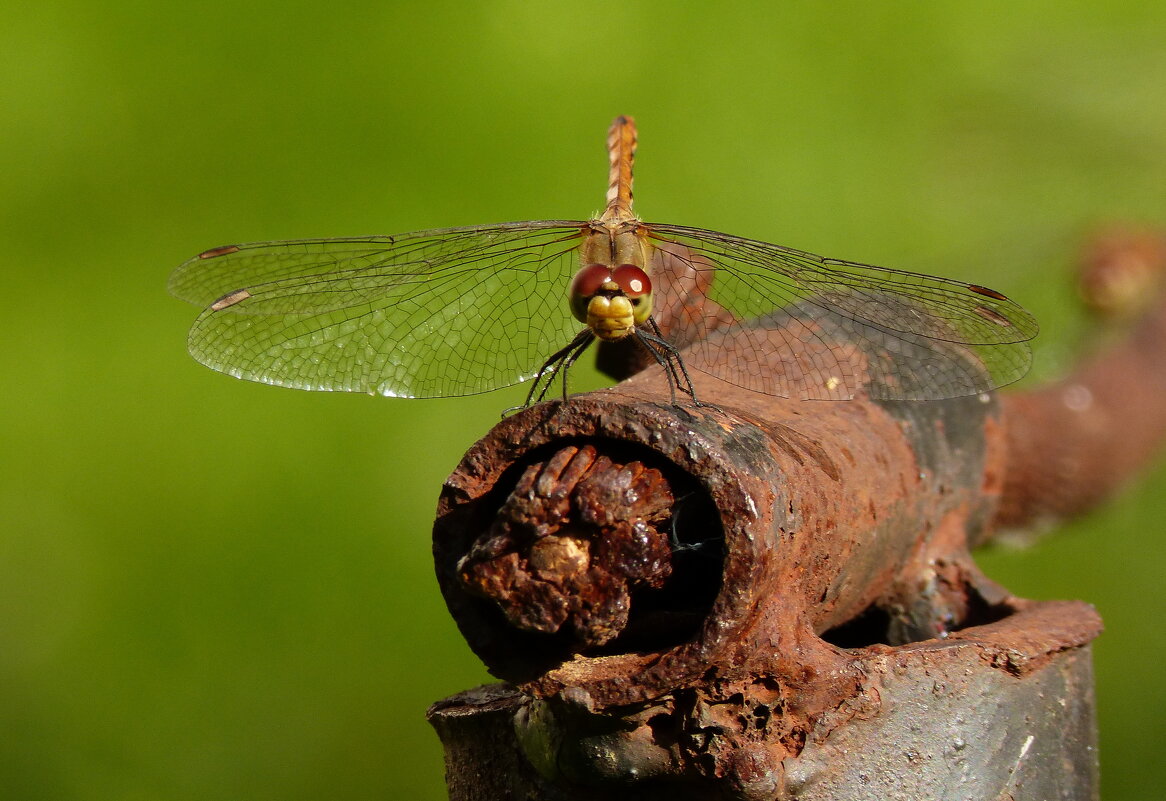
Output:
(1000, 711)
(775, 599)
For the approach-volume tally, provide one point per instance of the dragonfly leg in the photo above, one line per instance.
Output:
(669, 358)
(676, 364)
(559, 361)
(580, 342)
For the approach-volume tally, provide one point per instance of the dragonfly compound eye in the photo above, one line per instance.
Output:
(636, 284)
(585, 285)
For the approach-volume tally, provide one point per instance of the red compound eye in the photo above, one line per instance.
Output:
(588, 280)
(584, 286)
(632, 280)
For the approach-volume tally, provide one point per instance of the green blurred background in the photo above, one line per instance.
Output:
(216, 590)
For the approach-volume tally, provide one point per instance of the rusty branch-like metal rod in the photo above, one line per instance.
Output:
(1071, 444)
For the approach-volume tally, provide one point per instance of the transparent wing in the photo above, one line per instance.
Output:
(804, 326)
(430, 314)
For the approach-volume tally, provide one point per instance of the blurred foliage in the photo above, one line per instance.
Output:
(217, 590)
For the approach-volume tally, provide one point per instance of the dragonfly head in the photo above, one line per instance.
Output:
(611, 302)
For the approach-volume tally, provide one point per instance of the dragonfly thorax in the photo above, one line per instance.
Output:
(611, 301)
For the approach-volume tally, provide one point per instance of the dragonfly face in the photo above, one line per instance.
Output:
(611, 302)
(460, 311)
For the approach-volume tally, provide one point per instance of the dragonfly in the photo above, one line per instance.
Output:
(461, 311)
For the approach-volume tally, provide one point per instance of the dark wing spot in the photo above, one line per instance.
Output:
(993, 316)
(989, 293)
(230, 299)
(219, 251)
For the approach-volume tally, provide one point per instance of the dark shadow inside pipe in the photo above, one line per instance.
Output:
(885, 624)
(673, 615)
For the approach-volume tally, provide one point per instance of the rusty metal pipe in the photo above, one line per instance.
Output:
(823, 511)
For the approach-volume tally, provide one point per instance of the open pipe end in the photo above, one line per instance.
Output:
(603, 552)
(584, 542)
